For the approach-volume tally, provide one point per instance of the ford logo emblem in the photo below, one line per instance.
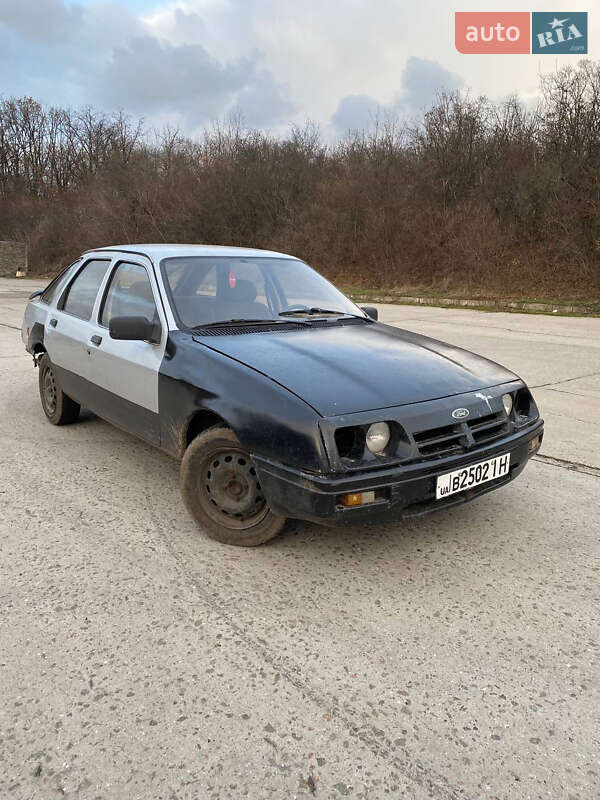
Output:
(460, 413)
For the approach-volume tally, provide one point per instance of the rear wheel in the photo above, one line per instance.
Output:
(58, 407)
(222, 491)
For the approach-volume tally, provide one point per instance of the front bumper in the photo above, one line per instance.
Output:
(407, 491)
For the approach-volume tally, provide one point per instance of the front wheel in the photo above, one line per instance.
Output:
(58, 407)
(222, 491)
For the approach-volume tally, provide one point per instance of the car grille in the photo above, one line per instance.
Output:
(490, 428)
(462, 436)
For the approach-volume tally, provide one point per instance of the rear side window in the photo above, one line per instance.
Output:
(129, 295)
(54, 287)
(81, 294)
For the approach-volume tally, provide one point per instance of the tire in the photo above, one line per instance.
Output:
(222, 492)
(58, 407)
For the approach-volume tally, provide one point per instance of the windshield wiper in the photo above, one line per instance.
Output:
(314, 310)
(242, 321)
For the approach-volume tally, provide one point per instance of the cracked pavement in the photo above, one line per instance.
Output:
(455, 656)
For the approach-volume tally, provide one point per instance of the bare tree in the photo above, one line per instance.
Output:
(475, 196)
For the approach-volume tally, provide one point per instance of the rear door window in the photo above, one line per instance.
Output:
(81, 295)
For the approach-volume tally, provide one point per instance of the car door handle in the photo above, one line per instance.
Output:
(53, 323)
(97, 340)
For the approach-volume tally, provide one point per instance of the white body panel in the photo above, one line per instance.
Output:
(66, 335)
(35, 311)
(127, 369)
(38, 311)
(65, 342)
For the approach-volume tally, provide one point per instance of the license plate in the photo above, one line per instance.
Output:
(474, 475)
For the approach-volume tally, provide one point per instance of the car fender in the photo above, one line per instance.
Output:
(32, 330)
(270, 421)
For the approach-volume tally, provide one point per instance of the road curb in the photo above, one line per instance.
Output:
(591, 309)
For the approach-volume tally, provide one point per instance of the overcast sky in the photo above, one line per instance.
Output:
(274, 62)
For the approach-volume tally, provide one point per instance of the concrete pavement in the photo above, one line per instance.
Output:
(456, 656)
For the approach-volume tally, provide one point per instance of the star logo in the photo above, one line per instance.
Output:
(485, 397)
(555, 32)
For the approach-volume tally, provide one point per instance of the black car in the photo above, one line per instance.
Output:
(281, 397)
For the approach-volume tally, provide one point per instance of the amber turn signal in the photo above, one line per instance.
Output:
(357, 498)
(534, 444)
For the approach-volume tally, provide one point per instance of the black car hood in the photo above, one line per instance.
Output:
(341, 369)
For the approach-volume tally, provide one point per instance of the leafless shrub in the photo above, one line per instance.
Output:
(476, 197)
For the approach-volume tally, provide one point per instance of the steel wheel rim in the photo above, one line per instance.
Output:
(50, 390)
(231, 490)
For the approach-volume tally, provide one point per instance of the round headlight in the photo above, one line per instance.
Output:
(507, 402)
(378, 436)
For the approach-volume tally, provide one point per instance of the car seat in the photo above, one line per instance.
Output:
(239, 302)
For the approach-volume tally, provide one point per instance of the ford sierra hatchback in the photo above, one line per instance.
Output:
(281, 397)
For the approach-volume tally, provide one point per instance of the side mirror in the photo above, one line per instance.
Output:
(371, 311)
(39, 293)
(134, 329)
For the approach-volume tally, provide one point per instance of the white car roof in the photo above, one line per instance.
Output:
(159, 251)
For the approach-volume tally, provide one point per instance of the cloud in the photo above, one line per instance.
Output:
(337, 63)
(188, 26)
(41, 19)
(422, 80)
(354, 113)
(263, 102)
(150, 76)
(111, 58)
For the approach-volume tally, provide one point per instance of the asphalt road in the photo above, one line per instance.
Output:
(456, 656)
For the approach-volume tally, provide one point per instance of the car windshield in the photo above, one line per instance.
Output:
(207, 289)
